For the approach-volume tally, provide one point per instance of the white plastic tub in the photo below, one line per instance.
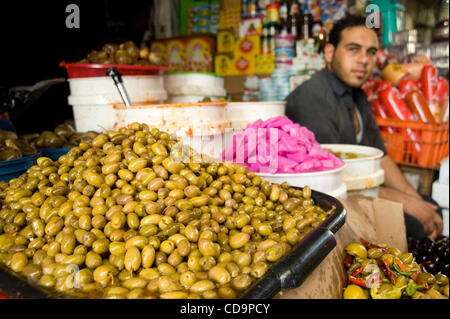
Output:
(329, 182)
(105, 86)
(199, 125)
(242, 113)
(362, 175)
(194, 83)
(191, 98)
(94, 100)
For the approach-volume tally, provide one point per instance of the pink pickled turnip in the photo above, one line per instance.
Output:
(279, 145)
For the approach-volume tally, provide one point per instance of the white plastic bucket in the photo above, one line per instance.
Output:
(362, 175)
(105, 86)
(94, 100)
(242, 113)
(191, 98)
(199, 125)
(194, 83)
(98, 112)
(329, 182)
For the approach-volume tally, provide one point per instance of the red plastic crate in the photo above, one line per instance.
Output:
(427, 151)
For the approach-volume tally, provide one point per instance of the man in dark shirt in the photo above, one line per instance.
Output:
(333, 106)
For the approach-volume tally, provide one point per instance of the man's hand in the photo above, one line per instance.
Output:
(422, 210)
(426, 213)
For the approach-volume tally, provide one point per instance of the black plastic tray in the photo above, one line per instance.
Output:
(292, 270)
(288, 273)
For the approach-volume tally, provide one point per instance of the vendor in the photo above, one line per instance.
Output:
(333, 106)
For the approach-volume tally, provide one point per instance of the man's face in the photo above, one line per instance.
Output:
(354, 58)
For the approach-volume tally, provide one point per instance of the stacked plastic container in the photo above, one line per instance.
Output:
(277, 87)
(194, 87)
(440, 191)
(94, 96)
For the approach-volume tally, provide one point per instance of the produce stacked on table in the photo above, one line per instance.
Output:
(133, 215)
(410, 91)
(380, 272)
(279, 145)
(63, 136)
(126, 53)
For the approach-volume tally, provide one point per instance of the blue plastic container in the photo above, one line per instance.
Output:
(14, 168)
(55, 153)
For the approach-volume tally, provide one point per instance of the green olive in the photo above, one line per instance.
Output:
(18, 261)
(441, 279)
(357, 250)
(374, 253)
(132, 259)
(219, 274)
(238, 240)
(241, 282)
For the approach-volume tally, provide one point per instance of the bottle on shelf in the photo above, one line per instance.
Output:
(265, 41)
(294, 18)
(271, 37)
(319, 35)
(283, 27)
(252, 8)
(305, 26)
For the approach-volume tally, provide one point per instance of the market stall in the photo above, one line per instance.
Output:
(180, 176)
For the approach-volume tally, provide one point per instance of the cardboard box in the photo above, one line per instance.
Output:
(226, 41)
(250, 26)
(193, 54)
(265, 63)
(223, 64)
(250, 45)
(377, 221)
(244, 64)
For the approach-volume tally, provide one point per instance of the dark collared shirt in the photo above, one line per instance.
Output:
(324, 104)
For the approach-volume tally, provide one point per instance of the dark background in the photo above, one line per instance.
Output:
(34, 37)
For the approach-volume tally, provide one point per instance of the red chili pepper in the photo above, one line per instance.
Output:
(358, 271)
(442, 89)
(397, 108)
(380, 111)
(369, 88)
(415, 276)
(419, 106)
(429, 83)
(358, 281)
(370, 245)
(401, 265)
(407, 85)
(348, 260)
(386, 271)
(382, 85)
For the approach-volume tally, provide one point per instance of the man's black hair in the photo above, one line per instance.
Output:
(349, 21)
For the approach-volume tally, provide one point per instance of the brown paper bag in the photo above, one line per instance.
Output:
(376, 220)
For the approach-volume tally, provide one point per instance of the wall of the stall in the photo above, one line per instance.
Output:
(423, 16)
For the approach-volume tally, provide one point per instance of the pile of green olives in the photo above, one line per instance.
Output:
(134, 214)
(63, 136)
